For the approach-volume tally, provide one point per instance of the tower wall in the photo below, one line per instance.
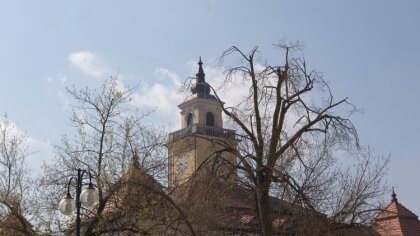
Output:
(199, 108)
(205, 156)
(202, 148)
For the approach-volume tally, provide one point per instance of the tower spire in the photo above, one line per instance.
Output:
(200, 75)
(201, 88)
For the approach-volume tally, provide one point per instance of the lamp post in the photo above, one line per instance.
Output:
(88, 197)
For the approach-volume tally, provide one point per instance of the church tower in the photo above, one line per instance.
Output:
(199, 146)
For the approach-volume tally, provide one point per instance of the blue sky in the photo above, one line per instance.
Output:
(369, 51)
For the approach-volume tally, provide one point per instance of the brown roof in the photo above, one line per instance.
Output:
(397, 220)
(15, 224)
(240, 214)
(237, 210)
(135, 187)
(135, 197)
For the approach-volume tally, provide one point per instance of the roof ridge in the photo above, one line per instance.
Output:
(407, 212)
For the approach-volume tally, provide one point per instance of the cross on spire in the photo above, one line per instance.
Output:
(394, 196)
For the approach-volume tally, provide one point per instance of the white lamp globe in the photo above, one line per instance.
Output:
(89, 197)
(67, 205)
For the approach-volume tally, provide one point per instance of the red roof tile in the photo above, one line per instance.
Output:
(397, 220)
(395, 209)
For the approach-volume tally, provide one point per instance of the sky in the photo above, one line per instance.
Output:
(369, 51)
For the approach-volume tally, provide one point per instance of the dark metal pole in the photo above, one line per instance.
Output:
(78, 203)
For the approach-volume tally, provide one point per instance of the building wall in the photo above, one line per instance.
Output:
(204, 154)
(199, 108)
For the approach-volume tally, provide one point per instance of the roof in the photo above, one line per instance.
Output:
(134, 189)
(396, 220)
(137, 201)
(15, 224)
(239, 214)
(235, 207)
(234, 210)
(202, 89)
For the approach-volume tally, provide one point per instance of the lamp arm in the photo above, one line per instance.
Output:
(83, 172)
(90, 179)
(68, 185)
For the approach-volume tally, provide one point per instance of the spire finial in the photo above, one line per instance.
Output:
(201, 88)
(200, 75)
(394, 196)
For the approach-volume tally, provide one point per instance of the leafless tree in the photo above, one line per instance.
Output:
(127, 159)
(16, 208)
(292, 132)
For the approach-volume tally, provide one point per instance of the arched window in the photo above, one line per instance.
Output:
(189, 119)
(210, 119)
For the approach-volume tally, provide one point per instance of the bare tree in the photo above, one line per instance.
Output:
(107, 137)
(15, 184)
(291, 130)
(126, 158)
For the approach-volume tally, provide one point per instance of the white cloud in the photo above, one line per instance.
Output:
(88, 63)
(164, 97)
(172, 76)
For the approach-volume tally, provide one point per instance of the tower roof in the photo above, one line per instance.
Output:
(396, 219)
(201, 89)
(200, 75)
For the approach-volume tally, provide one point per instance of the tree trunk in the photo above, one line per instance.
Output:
(263, 208)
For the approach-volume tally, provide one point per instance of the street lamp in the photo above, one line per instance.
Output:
(88, 197)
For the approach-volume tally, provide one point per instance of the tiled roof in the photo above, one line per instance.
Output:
(240, 215)
(397, 220)
(135, 189)
(395, 209)
(15, 224)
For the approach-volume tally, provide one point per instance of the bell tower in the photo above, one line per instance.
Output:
(199, 147)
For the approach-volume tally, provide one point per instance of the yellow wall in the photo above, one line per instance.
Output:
(200, 152)
(199, 108)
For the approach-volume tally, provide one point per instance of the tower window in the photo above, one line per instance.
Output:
(210, 119)
(189, 119)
